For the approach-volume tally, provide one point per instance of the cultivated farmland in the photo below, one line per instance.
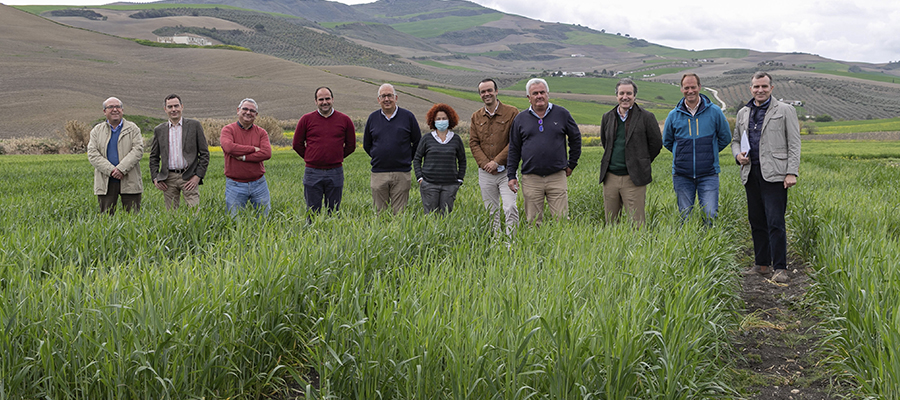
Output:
(193, 303)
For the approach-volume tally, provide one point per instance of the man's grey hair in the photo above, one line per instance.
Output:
(388, 85)
(763, 74)
(249, 100)
(113, 98)
(626, 81)
(535, 81)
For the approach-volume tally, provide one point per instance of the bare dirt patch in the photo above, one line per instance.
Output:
(778, 341)
(119, 24)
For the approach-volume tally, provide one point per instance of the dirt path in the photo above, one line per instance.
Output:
(778, 341)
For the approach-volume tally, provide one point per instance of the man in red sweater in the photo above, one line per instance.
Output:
(246, 146)
(323, 138)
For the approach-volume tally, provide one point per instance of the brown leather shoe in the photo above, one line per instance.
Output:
(764, 270)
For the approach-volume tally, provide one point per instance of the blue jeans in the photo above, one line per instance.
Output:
(237, 194)
(319, 184)
(704, 188)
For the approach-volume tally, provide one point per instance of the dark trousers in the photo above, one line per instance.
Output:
(766, 205)
(438, 197)
(131, 202)
(323, 184)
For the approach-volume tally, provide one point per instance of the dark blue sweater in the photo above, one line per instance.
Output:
(391, 144)
(543, 153)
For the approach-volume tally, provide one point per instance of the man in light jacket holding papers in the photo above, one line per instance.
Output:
(766, 143)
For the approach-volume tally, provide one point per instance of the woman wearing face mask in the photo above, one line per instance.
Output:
(440, 160)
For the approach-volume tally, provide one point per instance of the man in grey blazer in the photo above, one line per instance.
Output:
(766, 144)
(179, 156)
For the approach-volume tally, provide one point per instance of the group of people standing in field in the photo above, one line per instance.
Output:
(543, 140)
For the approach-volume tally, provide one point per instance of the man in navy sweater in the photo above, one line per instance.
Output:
(391, 137)
(538, 138)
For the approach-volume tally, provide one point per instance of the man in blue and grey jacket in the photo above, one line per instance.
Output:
(695, 132)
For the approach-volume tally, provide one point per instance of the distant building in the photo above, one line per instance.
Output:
(577, 55)
(184, 38)
(792, 102)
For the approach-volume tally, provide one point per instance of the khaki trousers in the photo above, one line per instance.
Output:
(175, 189)
(619, 193)
(553, 187)
(390, 187)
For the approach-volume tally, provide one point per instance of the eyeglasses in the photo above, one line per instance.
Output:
(540, 125)
(113, 107)
(249, 110)
(385, 96)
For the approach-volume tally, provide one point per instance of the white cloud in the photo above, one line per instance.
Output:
(841, 29)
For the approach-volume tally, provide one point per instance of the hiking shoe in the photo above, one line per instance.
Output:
(763, 270)
(781, 276)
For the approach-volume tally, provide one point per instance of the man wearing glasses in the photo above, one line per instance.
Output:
(115, 150)
(631, 140)
(538, 138)
(246, 146)
(391, 137)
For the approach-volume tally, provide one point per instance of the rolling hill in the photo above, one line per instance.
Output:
(422, 43)
(58, 73)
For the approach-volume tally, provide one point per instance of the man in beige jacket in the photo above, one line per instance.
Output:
(766, 144)
(115, 150)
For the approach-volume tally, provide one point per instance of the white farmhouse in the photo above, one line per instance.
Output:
(184, 38)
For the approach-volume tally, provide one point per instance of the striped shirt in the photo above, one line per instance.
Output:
(176, 156)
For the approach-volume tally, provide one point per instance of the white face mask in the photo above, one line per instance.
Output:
(442, 125)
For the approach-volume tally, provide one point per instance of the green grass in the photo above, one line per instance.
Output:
(851, 232)
(331, 25)
(829, 66)
(648, 91)
(435, 27)
(586, 113)
(872, 76)
(193, 46)
(875, 125)
(194, 303)
(176, 305)
(442, 65)
(623, 43)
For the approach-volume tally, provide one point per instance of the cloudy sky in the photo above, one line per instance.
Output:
(839, 29)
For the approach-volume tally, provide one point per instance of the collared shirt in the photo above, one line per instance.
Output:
(626, 113)
(394, 114)
(547, 111)
(754, 127)
(329, 114)
(491, 113)
(489, 134)
(112, 148)
(438, 138)
(176, 156)
(692, 110)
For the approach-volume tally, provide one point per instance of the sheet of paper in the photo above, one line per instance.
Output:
(745, 143)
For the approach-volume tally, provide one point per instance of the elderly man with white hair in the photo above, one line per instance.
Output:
(538, 138)
(115, 150)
